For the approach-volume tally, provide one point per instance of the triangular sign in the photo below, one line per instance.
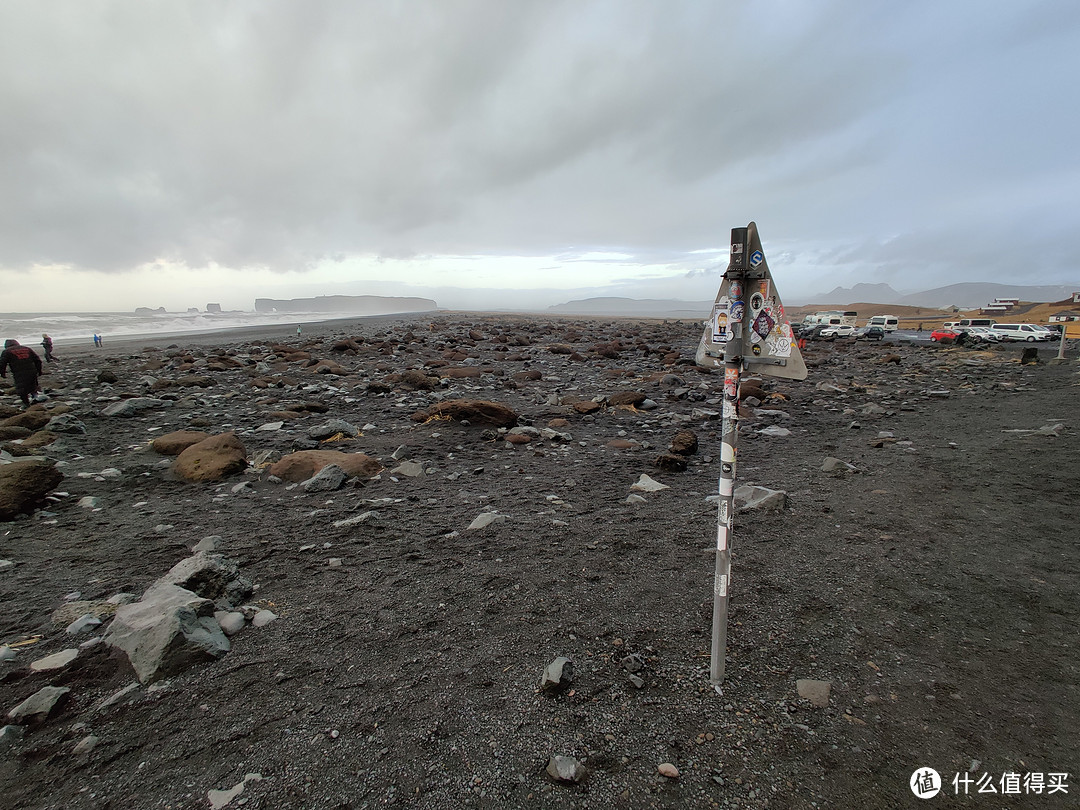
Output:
(768, 346)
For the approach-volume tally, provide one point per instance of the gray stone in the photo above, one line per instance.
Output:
(332, 428)
(65, 423)
(210, 543)
(774, 431)
(82, 624)
(7, 654)
(57, 660)
(220, 798)
(40, 706)
(263, 618)
(116, 697)
(133, 406)
(355, 520)
(230, 622)
(408, 469)
(89, 502)
(329, 479)
(647, 484)
(10, 735)
(748, 498)
(557, 675)
(566, 769)
(166, 631)
(486, 519)
(85, 745)
(836, 466)
(817, 692)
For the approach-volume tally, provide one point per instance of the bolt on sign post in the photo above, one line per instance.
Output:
(749, 331)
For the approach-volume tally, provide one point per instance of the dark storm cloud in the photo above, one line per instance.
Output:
(275, 134)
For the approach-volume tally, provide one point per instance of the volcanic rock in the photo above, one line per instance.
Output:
(476, 411)
(302, 465)
(175, 443)
(212, 459)
(24, 484)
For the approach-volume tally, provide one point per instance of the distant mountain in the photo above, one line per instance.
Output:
(347, 304)
(976, 294)
(634, 308)
(967, 295)
(878, 293)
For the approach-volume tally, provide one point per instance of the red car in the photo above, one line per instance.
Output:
(938, 334)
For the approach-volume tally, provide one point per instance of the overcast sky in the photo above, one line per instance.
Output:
(177, 153)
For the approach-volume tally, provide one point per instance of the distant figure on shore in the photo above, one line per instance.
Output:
(298, 330)
(920, 327)
(97, 340)
(25, 368)
(46, 344)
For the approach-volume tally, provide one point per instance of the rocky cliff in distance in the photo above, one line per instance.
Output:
(347, 304)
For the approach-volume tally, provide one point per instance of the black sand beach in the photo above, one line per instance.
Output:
(910, 605)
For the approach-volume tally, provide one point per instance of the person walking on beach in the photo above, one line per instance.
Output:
(298, 330)
(46, 344)
(25, 367)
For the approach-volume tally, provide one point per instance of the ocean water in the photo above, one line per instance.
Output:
(67, 328)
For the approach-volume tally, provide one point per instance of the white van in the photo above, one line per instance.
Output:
(951, 325)
(1029, 332)
(890, 323)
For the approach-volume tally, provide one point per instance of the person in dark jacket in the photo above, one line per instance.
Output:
(46, 344)
(25, 367)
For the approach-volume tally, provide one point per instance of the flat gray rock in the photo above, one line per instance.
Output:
(166, 631)
(40, 706)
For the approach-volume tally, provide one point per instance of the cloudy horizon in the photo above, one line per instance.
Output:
(163, 154)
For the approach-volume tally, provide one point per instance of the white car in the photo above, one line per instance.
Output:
(1028, 332)
(834, 332)
(982, 334)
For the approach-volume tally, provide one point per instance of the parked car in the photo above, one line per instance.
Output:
(938, 334)
(834, 332)
(870, 333)
(1029, 332)
(982, 334)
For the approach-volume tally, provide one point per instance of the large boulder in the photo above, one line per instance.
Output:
(35, 418)
(166, 631)
(175, 443)
(24, 484)
(133, 406)
(476, 411)
(304, 464)
(212, 459)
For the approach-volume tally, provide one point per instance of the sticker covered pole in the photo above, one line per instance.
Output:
(733, 359)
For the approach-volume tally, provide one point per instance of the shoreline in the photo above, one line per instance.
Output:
(286, 332)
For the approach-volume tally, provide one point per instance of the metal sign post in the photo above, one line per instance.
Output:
(747, 329)
(729, 437)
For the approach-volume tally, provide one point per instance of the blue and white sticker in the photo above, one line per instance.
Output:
(756, 258)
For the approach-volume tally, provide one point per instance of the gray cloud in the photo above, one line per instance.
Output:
(904, 141)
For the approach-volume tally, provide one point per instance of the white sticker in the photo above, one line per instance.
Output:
(727, 486)
(727, 452)
(721, 585)
(721, 538)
